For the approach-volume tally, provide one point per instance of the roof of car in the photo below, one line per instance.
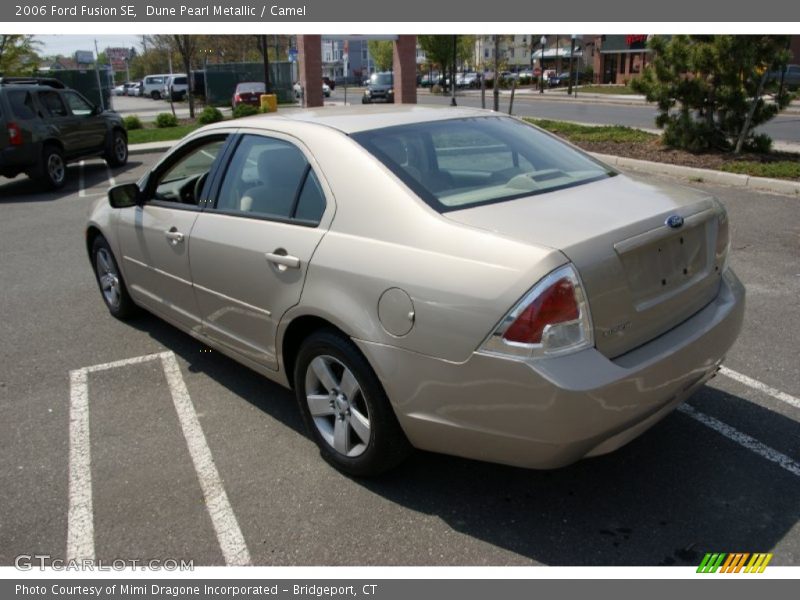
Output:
(353, 119)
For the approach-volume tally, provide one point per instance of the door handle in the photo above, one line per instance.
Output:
(174, 236)
(283, 260)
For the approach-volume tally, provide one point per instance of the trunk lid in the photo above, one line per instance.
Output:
(642, 276)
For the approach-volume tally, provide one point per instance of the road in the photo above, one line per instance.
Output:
(784, 128)
(696, 483)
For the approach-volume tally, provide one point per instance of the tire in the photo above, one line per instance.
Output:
(353, 423)
(155, 95)
(117, 149)
(52, 169)
(112, 286)
(364, 100)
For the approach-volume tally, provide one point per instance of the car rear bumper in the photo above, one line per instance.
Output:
(19, 158)
(552, 412)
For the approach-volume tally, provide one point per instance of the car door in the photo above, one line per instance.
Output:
(252, 245)
(91, 123)
(61, 120)
(155, 238)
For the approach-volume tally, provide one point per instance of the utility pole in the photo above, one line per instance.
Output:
(453, 75)
(97, 74)
(496, 81)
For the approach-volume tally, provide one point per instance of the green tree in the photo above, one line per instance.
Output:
(710, 89)
(382, 53)
(18, 54)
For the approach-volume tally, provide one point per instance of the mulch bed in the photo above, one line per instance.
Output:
(654, 151)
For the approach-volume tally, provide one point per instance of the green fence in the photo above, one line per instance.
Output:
(221, 80)
(85, 82)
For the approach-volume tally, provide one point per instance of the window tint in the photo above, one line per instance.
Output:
(311, 204)
(53, 104)
(179, 81)
(459, 163)
(177, 183)
(77, 104)
(263, 178)
(21, 104)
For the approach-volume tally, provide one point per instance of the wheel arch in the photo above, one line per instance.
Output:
(298, 329)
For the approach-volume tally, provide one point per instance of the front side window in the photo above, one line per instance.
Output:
(183, 179)
(78, 105)
(271, 178)
(460, 163)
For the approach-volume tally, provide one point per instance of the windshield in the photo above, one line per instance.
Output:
(252, 87)
(381, 79)
(460, 163)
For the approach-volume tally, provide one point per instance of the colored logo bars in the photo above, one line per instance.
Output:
(733, 563)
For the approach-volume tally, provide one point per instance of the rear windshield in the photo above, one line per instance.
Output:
(461, 163)
(252, 87)
(381, 79)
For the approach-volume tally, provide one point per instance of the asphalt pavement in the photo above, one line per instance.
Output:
(715, 478)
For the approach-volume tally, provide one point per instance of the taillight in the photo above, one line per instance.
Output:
(237, 98)
(552, 319)
(14, 134)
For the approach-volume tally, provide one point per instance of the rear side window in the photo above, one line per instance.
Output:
(179, 81)
(21, 103)
(268, 177)
(53, 104)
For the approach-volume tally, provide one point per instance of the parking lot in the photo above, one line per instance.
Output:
(136, 441)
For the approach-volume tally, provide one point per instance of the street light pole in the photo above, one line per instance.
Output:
(543, 40)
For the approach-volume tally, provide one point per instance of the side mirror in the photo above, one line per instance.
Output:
(125, 195)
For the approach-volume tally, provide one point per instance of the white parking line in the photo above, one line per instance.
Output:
(229, 535)
(80, 519)
(742, 439)
(761, 387)
(81, 181)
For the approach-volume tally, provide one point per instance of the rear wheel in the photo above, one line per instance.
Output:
(112, 286)
(52, 169)
(345, 407)
(155, 96)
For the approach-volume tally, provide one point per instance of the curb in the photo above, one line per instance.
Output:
(762, 184)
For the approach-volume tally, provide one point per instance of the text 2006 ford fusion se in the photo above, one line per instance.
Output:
(437, 278)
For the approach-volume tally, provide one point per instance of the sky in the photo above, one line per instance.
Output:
(66, 45)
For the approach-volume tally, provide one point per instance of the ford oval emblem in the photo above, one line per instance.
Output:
(674, 221)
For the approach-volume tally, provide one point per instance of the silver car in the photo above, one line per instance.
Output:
(438, 278)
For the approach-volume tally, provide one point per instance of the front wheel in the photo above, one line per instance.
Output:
(117, 151)
(345, 408)
(112, 285)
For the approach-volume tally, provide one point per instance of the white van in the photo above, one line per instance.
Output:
(152, 85)
(176, 85)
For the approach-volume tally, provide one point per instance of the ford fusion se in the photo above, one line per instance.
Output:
(439, 278)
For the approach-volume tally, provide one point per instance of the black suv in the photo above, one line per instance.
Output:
(44, 125)
(381, 87)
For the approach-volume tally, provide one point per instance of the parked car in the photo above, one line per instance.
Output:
(331, 83)
(248, 92)
(132, 88)
(44, 126)
(562, 79)
(380, 88)
(509, 298)
(467, 80)
(175, 87)
(119, 90)
(153, 85)
(298, 90)
(790, 75)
